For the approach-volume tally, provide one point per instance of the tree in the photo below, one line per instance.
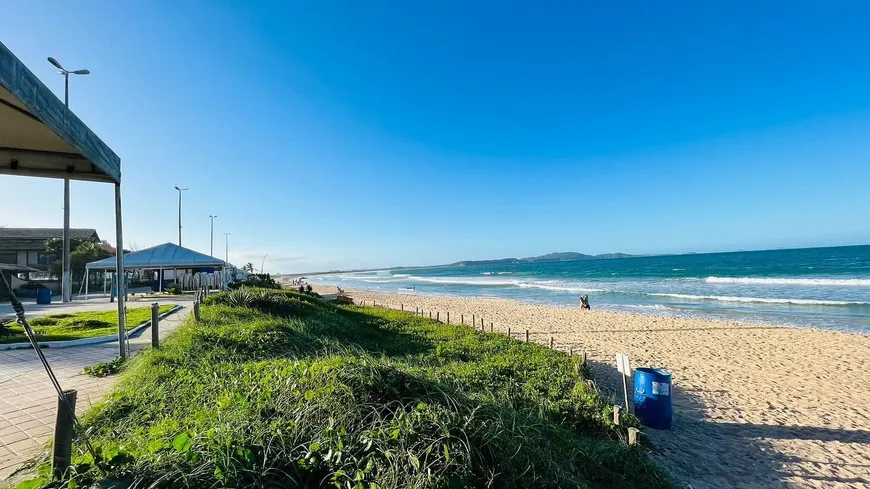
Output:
(248, 267)
(54, 246)
(85, 253)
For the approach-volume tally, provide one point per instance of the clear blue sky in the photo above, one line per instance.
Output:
(354, 134)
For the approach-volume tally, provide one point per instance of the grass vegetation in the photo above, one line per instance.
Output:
(74, 326)
(281, 389)
(104, 369)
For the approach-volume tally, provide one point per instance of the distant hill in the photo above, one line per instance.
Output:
(549, 257)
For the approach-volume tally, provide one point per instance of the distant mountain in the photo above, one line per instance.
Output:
(550, 257)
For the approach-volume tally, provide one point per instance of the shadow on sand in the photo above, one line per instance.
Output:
(709, 454)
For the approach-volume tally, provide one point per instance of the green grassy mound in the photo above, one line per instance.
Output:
(310, 394)
(62, 327)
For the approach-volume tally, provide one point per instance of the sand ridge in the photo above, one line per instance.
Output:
(754, 405)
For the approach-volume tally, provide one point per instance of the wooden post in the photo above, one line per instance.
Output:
(196, 311)
(527, 336)
(617, 415)
(403, 307)
(155, 326)
(509, 332)
(64, 429)
(448, 317)
(571, 351)
(462, 318)
(374, 303)
(430, 314)
(437, 317)
(473, 321)
(490, 327)
(416, 311)
(633, 435)
(551, 342)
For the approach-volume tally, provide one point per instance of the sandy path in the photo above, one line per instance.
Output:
(755, 406)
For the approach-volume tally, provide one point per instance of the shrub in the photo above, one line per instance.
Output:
(104, 369)
(173, 288)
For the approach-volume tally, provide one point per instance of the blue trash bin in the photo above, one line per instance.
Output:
(652, 398)
(43, 296)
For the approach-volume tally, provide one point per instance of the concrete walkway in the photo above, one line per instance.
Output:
(28, 401)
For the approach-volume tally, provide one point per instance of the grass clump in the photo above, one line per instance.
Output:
(74, 326)
(265, 395)
(104, 369)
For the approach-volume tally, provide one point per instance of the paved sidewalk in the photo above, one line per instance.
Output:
(28, 401)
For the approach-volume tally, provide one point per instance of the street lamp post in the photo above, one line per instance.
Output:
(227, 249)
(263, 264)
(66, 279)
(211, 252)
(179, 211)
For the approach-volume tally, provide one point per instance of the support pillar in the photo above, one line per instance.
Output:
(119, 266)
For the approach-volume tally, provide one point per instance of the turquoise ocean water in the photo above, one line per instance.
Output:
(815, 287)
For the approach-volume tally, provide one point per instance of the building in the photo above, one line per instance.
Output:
(25, 247)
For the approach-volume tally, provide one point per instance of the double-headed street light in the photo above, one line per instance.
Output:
(66, 282)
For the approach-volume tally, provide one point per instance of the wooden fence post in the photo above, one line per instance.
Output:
(473, 321)
(448, 317)
(551, 342)
(509, 332)
(196, 314)
(64, 429)
(632, 436)
(527, 336)
(490, 327)
(155, 326)
(403, 307)
(430, 314)
(437, 317)
(462, 318)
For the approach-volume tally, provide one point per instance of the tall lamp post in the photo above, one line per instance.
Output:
(179, 211)
(211, 252)
(263, 264)
(227, 249)
(66, 282)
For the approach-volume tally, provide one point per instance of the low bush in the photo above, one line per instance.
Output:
(350, 397)
(173, 288)
(104, 369)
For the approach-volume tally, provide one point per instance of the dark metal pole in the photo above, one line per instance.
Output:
(155, 326)
(64, 429)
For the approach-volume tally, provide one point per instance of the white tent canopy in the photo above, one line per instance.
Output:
(167, 255)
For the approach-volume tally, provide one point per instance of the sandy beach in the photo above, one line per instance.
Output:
(754, 405)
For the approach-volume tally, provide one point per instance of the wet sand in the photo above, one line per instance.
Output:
(754, 405)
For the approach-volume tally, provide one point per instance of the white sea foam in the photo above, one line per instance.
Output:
(837, 282)
(401, 275)
(766, 300)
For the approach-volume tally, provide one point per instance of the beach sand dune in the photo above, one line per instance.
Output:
(754, 405)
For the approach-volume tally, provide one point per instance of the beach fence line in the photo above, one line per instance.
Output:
(419, 311)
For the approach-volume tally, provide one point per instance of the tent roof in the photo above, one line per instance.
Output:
(41, 137)
(167, 255)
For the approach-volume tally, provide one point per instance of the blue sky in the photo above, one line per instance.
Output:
(366, 134)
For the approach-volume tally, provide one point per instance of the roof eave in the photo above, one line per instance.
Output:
(16, 78)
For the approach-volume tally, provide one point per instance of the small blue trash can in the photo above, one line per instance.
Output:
(43, 296)
(652, 398)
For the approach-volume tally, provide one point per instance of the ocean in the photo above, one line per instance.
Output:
(827, 288)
